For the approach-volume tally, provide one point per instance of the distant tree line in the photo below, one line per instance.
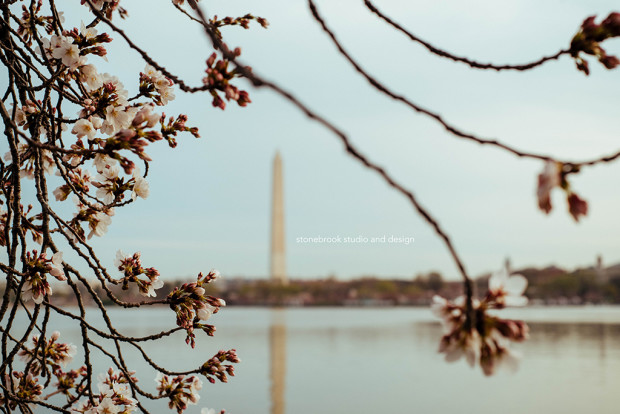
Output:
(548, 286)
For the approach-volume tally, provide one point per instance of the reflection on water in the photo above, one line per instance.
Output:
(389, 363)
(343, 360)
(277, 346)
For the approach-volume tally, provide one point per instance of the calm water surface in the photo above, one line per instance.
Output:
(351, 360)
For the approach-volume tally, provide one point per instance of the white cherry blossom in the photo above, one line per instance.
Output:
(153, 285)
(205, 311)
(508, 290)
(103, 162)
(68, 52)
(118, 86)
(140, 187)
(92, 78)
(20, 115)
(101, 222)
(117, 118)
(166, 95)
(107, 406)
(56, 270)
(84, 128)
(88, 32)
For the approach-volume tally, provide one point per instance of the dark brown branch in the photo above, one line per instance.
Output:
(446, 125)
(144, 55)
(471, 63)
(122, 338)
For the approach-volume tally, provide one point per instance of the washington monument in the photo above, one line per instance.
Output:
(278, 263)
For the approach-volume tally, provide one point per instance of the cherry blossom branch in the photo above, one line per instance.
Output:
(34, 153)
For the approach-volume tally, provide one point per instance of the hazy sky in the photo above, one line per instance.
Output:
(210, 198)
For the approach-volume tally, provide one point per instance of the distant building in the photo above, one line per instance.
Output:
(278, 248)
(601, 273)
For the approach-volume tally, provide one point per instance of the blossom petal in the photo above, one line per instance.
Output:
(516, 285)
(57, 259)
(498, 280)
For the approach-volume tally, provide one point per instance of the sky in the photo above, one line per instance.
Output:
(210, 198)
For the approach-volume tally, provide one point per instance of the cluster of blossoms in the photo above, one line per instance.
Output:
(180, 390)
(588, 40)
(218, 80)
(25, 386)
(107, 121)
(131, 267)
(106, 108)
(42, 358)
(95, 155)
(50, 353)
(38, 266)
(98, 218)
(70, 48)
(479, 336)
(78, 178)
(29, 22)
(106, 111)
(174, 126)
(555, 175)
(27, 158)
(191, 305)
(114, 397)
(214, 369)
(68, 381)
(28, 224)
(111, 187)
(154, 85)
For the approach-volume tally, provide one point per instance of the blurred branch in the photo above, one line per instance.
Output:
(471, 63)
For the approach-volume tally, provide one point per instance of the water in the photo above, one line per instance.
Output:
(351, 360)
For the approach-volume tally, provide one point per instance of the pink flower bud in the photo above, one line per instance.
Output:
(588, 26)
(139, 118)
(126, 134)
(612, 23)
(211, 60)
(577, 206)
(610, 62)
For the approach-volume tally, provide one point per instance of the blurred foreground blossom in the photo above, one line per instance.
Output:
(548, 179)
(555, 174)
(507, 290)
(483, 338)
